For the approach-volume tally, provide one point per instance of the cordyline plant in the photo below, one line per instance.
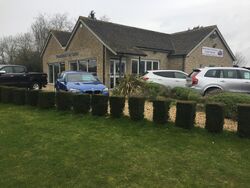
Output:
(130, 85)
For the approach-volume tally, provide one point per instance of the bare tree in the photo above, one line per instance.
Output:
(8, 49)
(105, 18)
(44, 23)
(240, 60)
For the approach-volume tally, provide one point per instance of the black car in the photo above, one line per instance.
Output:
(18, 76)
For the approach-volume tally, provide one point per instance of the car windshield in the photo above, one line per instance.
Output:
(81, 77)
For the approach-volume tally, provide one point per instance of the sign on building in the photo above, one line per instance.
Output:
(215, 52)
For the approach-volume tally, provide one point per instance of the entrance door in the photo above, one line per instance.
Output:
(115, 73)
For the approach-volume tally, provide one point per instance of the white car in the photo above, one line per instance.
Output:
(168, 78)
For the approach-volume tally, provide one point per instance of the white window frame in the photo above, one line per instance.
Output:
(145, 64)
(86, 60)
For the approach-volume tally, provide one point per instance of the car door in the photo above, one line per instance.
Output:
(20, 78)
(180, 79)
(231, 81)
(7, 78)
(245, 80)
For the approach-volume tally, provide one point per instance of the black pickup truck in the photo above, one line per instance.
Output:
(18, 76)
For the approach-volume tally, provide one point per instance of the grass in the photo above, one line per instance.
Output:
(45, 148)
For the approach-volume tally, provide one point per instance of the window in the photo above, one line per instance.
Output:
(19, 69)
(134, 67)
(213, 73)
(245, 75)
(73, 65)
(144, 66)
(180, 75)
(83, 66)
(89, 65)
(54, 70)
(229, 73)
(92, 66)
(8, 69)
(165, 74)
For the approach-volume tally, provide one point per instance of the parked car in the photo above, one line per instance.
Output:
(18, 76)
(169, 78)
(213, 79)
(80, 82)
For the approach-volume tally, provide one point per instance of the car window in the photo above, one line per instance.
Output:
(245, 74)
(7, 69)
(165, 74)
(194, 73)
(214, 73)
(79, 77)
(19, 69)
(230, 74)
(180, 75)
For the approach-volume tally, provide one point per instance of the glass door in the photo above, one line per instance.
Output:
(115, 72)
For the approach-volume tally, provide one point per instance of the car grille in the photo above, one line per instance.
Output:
(93, 92)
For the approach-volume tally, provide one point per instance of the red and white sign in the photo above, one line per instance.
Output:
(215, 52)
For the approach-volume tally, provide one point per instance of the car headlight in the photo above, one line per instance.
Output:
(74, 90)
(105, 89)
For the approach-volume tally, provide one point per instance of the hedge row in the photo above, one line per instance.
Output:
(185, 110)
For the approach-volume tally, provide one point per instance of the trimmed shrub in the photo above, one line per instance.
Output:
(99, 104)
(19, 96)
(230, 100)
(214, 117)
(136, 108)
(81, 103)
(63, 101)
(160, 111)
(46, 99)
(7, 94)
(243, 129)
(31, 98)
(116, 106)
(182, 93)
(185, 114)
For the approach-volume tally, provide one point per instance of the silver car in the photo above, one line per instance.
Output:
(212, 79)
(168, 78)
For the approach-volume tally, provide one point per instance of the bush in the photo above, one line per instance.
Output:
(63, 101)
(31, 97)
(136, 108)
(243, 129)
(230, 100)
(19, 96)
(128, 86)
(46, 99)
(182, 93)
(154, 91)
(185, 114)
(7, 94)
(81, 103)
(160, 111)
(116, 106)
(99, 104)
(214, 117)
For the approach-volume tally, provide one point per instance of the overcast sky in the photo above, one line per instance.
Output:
(232, 17)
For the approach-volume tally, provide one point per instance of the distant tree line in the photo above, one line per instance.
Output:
(25, 48)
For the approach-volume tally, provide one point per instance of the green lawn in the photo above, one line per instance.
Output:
(52, 149)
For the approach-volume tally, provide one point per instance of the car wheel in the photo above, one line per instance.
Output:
(35, 86)
(212, 91)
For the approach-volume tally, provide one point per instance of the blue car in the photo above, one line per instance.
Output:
(80, 82)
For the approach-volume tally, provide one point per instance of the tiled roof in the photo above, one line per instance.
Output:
(61, 36)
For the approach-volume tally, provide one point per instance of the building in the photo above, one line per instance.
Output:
(111, 50)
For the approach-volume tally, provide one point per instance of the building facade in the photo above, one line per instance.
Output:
(111, 50)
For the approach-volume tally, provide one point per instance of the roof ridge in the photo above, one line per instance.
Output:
(193, 30)
(82, 17)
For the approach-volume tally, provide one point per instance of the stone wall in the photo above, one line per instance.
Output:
(196, 59)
